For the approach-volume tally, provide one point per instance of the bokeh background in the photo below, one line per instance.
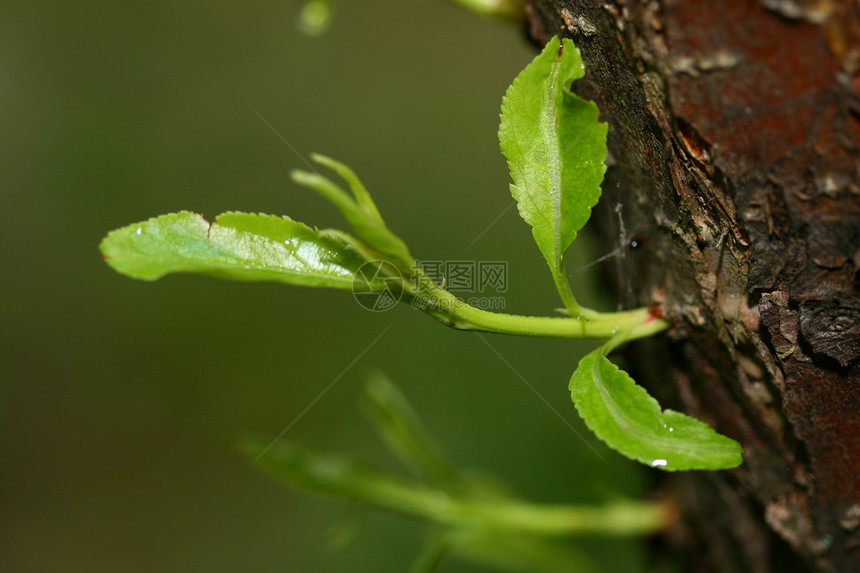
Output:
(122, 400)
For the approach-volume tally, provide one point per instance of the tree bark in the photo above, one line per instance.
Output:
(734, 131)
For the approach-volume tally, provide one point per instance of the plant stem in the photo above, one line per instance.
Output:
(340, 476)
(620, 518)
(448, 309)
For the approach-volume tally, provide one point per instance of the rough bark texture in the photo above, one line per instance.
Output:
(734, 132)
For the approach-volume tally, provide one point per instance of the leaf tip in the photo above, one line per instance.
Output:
(303, 177)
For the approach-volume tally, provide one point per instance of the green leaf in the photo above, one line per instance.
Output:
(239, 246)
(555, 149)
(628, 419)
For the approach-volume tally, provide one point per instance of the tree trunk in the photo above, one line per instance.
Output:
(734, 130)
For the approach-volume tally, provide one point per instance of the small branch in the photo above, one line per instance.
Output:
(341, 476)
(448, 309)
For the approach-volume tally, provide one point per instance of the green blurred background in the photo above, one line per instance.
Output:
(122, 400)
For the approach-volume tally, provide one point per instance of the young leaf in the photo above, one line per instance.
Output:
(359, 210)
(404, 434)
(362, 197)
(555, 149)
(239, 246)
(629, 420)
